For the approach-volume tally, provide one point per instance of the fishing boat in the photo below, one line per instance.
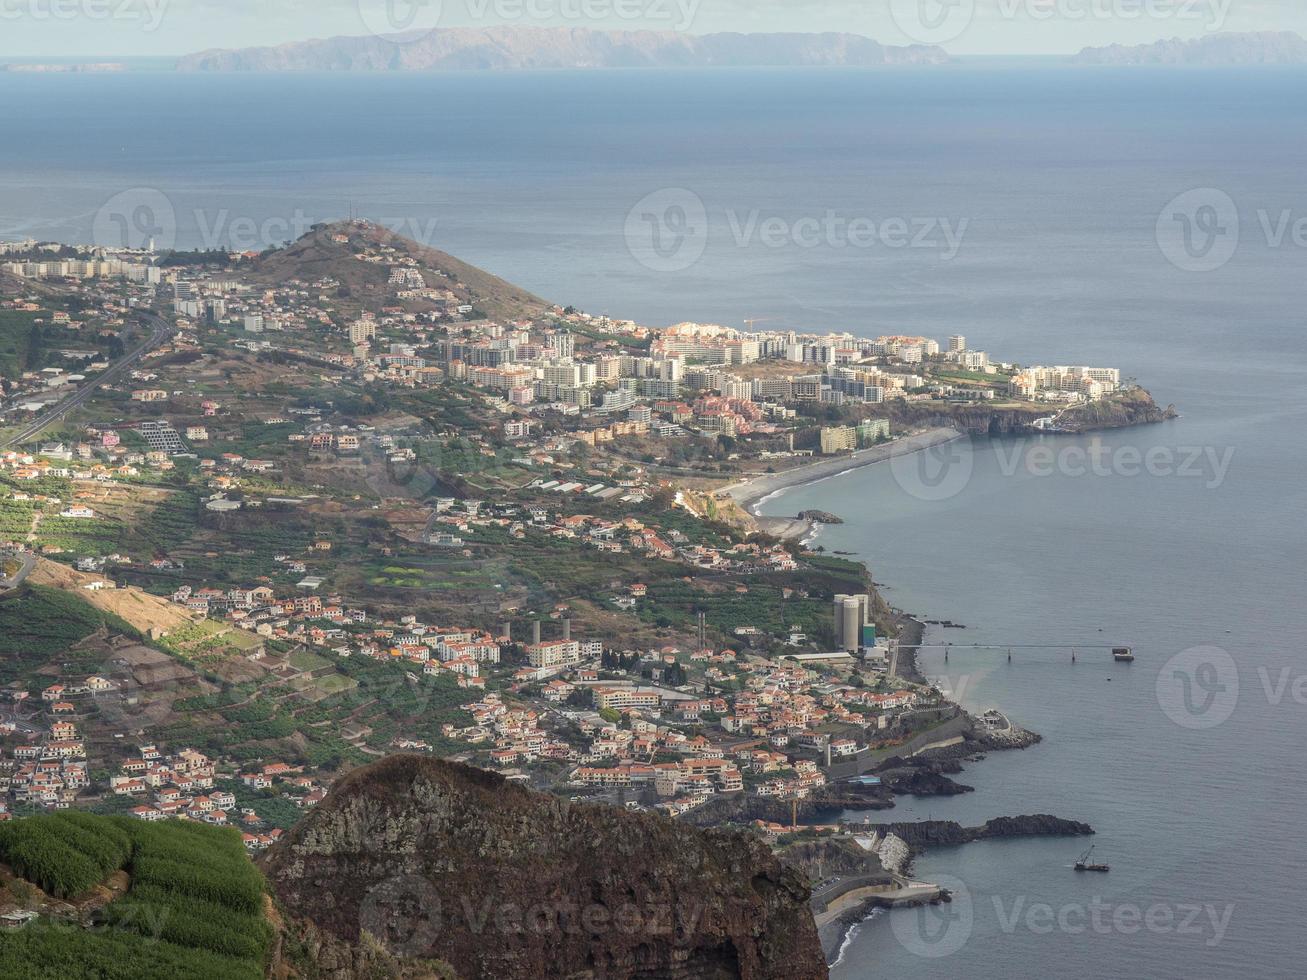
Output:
(1123, 654)
(1084, 864)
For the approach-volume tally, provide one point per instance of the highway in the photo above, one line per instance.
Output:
(162, 331)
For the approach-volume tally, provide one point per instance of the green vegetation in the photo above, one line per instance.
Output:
(16, 519)
(208, 643)
(308, 660)
(120, 526)
(37, 623)
(974, 377)
(256, 441)
(57, 952)
(81, 535)
(64, 853)
(194, 908)
(675, 603)
(447, 572)
(28, 345)
(21, 342)
(269, 804)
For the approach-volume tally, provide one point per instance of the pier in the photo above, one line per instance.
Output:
(1072, 648)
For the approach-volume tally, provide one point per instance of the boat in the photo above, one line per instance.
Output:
(1084, 864)
(1123, 654)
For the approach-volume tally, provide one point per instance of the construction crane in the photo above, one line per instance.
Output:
(748, 323)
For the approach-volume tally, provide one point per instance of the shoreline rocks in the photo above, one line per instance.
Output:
(820, 517)
(922, 834)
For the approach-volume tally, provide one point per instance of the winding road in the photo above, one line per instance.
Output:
(9, 584)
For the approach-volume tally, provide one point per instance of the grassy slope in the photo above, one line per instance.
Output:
(131, 609)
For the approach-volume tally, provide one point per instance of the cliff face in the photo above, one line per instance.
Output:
(544, 48)
(1134, 407)
(418, 867)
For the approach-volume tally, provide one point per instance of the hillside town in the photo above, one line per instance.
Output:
(498, 535)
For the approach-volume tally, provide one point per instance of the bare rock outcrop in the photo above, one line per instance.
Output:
(415, 867)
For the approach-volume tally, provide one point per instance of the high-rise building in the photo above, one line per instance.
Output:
(852, 615)
(957, 343)
(362, 331)
(838, 439)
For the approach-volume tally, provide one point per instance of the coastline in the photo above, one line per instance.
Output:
(837, 928)
(753, 491)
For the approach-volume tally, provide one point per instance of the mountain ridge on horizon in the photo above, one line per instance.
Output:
(508, 47)
(1212, 50)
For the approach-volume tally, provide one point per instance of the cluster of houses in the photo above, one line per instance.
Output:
(257, 608)
(49, 765)
(182, 785)
(512, 732)
(635, 536)
(778, 728)
(49, 771)
(58, 460)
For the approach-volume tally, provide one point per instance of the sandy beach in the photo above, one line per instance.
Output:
(749, 493)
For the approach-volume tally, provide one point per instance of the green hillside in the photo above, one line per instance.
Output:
(16, 343)
(194, 907)
(37, 623)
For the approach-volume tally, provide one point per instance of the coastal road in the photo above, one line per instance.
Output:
(161, 330)
(825, 892)
(887, 889)
(955, 727)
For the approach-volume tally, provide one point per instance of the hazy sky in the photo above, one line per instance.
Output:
(80, 28)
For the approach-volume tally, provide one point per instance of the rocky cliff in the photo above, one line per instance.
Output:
(947, 833)
(1127, 408)
(544, 48)
(415, 867)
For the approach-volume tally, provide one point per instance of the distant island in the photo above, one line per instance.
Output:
(541, 48)
(1258, 48)
(49, 69)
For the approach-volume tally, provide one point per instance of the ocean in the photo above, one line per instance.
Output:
(1049, 215)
